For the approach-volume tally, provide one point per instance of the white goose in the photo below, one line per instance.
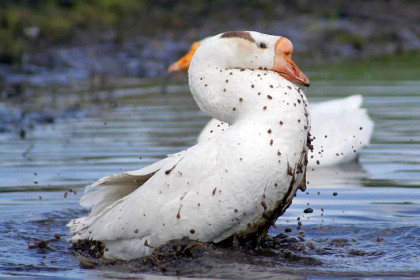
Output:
(340, 128)
(236, 183)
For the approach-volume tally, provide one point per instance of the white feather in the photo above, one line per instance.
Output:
(236, 183)
(339, 119)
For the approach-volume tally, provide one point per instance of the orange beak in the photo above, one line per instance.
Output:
(184, 62)
(284, 65)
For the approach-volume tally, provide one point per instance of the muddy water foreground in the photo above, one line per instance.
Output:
(368, 229)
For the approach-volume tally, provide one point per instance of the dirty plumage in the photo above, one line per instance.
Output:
(347, 124)
(139, 210)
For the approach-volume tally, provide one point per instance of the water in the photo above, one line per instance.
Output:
(376, 211)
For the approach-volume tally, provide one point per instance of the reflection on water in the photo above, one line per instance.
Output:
(376, 208)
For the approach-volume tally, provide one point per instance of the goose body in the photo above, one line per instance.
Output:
(235, 183)
(340, 128)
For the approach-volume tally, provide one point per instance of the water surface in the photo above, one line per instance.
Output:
(98, 133)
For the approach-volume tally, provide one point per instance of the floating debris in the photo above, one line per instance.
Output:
(189, 257)
(308, 210)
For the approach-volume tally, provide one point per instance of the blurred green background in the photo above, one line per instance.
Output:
(361, 27)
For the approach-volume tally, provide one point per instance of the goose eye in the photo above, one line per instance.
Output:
(262, 45)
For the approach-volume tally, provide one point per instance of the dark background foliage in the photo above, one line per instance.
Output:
(26, 26)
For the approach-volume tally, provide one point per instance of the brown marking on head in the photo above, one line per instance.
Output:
(238, 34)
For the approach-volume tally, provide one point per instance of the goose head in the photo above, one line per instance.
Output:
(228, 70)
(270, 52)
